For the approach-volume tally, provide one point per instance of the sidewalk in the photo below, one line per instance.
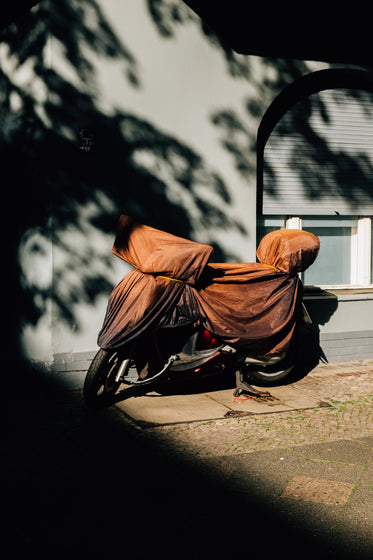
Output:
(349, 380)
(307, 452)
(195, 475)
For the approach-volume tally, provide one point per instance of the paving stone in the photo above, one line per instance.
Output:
(171, 409)
(366, 476)
(368, 440)
(268, 471)
(318, 490)
(328, 470)
(350, 452)
(358, 515)
(280, 399)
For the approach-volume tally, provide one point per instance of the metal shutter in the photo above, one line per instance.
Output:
(319, 157)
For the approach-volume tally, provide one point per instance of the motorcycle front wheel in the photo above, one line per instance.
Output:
(100, 384)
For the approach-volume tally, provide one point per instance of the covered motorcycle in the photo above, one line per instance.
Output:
(253, 307)
(178, 314)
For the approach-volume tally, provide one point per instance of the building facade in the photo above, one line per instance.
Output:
(135, 107)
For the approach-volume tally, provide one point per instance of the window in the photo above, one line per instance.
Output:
(371, 253)
(318, 157)
(346, 248)
(315, 164)
(333, 266)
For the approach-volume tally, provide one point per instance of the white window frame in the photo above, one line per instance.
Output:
(361, 251)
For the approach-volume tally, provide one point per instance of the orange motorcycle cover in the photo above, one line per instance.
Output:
(253, 306)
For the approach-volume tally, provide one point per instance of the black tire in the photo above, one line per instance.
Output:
(268, 377)
(100, 385)
(275, 374)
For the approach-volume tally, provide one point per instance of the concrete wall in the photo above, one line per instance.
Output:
(345, 322)
(164, 92)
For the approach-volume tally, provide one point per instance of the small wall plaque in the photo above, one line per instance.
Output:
(87, 140)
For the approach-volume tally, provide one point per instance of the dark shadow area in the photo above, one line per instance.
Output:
(308, 351)
(194, 384)
(263, 38)
(179, 384)
(190, 384)
(81, 483)
(322, 306)
(279, 31)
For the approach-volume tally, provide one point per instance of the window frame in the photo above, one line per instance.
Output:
(361, 270)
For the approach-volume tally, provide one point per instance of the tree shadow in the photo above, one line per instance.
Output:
(286, 103)
(70, 169)
(320, 162)
(322, 169)
(238, 130)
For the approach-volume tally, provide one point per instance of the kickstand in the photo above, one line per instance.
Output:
(242, 386)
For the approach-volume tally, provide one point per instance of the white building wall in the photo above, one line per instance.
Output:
(184, 81)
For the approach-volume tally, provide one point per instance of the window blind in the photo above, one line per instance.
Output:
(318, 158)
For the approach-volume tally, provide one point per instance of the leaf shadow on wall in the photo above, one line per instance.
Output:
(70, 169)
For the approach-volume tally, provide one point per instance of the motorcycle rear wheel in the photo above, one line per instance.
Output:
(100, 385)
(269, 378)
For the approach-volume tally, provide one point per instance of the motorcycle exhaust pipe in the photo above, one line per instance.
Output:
(123, 367)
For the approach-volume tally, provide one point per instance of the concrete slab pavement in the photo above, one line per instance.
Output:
(315, 390)
(156, 409)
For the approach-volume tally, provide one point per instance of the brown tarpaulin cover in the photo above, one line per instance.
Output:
(249, 305)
